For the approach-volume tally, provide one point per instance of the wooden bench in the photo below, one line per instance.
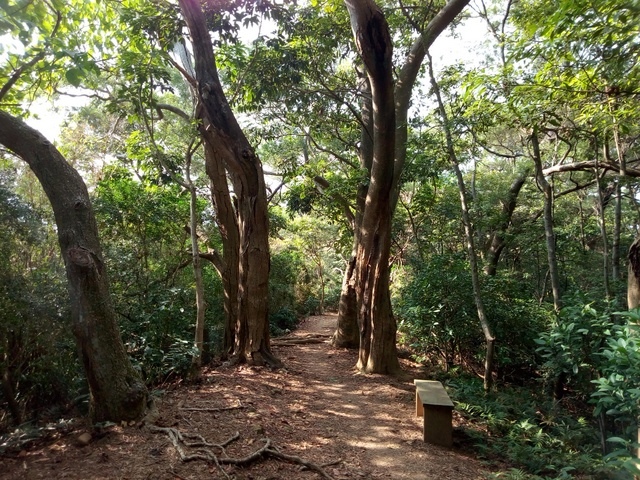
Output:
(433, 403)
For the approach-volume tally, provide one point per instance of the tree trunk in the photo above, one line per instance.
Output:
(633, 298)
(12, 371)
(468, 230)
(229, 144)
(197, 273)
(347, 312)
(117, 392)
(633, 280)
(347, 332)
(602, 221)
(498, 238)
(377, 326)
(548, 222)
(227, 267)
(617, 229)
(407, 77)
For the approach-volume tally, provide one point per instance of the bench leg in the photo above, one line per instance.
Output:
(438, 425)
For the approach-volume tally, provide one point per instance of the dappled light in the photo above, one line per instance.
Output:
(264, 240)
(318, 407)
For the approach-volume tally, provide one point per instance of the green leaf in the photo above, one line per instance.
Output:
(74, 76)
(617, 440)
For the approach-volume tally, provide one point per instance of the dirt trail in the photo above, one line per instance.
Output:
(372, 415)
(318, 408)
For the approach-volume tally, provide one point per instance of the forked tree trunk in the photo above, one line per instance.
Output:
(229, 144)
(407, 77)
(117, 392)
(377, 326)
(498, 237)
(408, 74)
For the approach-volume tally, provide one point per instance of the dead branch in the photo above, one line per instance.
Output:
(301, 340)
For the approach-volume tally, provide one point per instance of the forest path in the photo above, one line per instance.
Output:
(371, 418)
(318, 407)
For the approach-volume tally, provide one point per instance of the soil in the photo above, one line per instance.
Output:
(317, 408)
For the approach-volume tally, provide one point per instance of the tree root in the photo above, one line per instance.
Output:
(211, 409)
(205, 452)
(301, 340)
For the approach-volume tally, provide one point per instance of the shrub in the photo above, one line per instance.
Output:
(617, 392)
(571, 345)
(438, 316)
(282, 321)
(528, 430)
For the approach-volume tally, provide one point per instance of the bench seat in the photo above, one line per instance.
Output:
(435, 406)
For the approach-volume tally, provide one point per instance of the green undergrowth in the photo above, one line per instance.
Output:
(538, 437)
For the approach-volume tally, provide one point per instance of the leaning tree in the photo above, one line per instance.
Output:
(57, 50)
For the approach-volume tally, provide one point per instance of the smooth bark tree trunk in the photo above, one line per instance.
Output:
(490, 339)
(377, 326)
(549, 233)
(228, 142)
(117, 391)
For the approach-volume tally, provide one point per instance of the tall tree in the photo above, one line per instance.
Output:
(376, 323)
(400, 93)
(468, 230)
(229, 144)
(390, 105)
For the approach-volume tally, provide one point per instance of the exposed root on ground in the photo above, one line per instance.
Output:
(205, 452)
(297, 341)
(301, 340)
(211, 409)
